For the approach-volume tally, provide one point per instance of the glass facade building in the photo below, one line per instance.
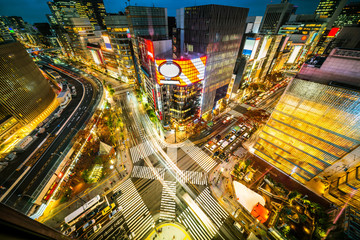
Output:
(215, 31)
(26, 96)
(275, 16)
(312, 127)
(119, 33)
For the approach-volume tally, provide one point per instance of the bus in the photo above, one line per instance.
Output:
(72, 218)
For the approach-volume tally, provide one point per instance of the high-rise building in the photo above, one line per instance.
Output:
(303, 24)
(5, 34)
(316, 123)
(275, 16)
(119, 34)
(259, 52)
(16, 22)
(327, 8)
(214, 31)
(145, 22)
(253, 24)
(26, 96)
(62, 11)
(349, 16)
(95, 11)
(81, 33)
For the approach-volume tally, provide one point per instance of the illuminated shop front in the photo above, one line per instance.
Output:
(312, 127)
(181, 87)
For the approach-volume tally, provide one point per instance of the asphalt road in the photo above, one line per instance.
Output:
(21, 197)
(146, 192)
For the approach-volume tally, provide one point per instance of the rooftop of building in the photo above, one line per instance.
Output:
(340, 68)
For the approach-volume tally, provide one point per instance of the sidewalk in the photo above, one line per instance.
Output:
(221, 186)
(56, 214)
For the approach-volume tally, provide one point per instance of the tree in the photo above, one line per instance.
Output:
(293, 195)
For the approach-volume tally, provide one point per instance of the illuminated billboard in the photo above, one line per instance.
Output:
(333, 32)
(107, 42)
(146, 54)
(294, 54)
(249, 46)
(182, 72)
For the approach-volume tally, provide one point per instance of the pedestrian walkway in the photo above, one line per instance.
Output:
(140, 151)
(198, 178)
(195, 226)
(136, 214)
(147, 172)
(167, 207)
(199, 156)
(213, 209)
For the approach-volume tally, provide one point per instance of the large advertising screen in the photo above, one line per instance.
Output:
(181, 72)
(146, 54)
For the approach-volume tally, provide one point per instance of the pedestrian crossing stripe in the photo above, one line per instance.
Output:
(199, 156)
(167, 205)
(194, 225)
(135, 212)
(198, 178)
(147, 172)
(141, 150)
(213, 209)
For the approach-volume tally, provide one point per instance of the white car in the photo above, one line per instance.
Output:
(213, 147)
(220, 142)
(232, 138)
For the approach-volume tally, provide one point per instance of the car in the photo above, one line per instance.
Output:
(232, 138)
(113, 197)
(220, 142)
(218, 137)
(91, 214)
(88, 224)
(216, 153)
(97, 227)
(213, 147)
(91, 232)
(239, 227)
(108, 209)
(68, 231)
(115, 211)
(246, 135)
(227, 136)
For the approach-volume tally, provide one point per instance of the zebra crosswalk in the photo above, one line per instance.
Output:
(147, 172)
(141, 150)
(167, 206)
(212, 207)
(199, 178)
(198, 155)
(194, 225)
(135, 212)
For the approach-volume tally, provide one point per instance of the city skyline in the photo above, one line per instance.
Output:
(39, 8)
(214, 124)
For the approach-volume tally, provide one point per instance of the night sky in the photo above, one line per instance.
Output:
(34, 11)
